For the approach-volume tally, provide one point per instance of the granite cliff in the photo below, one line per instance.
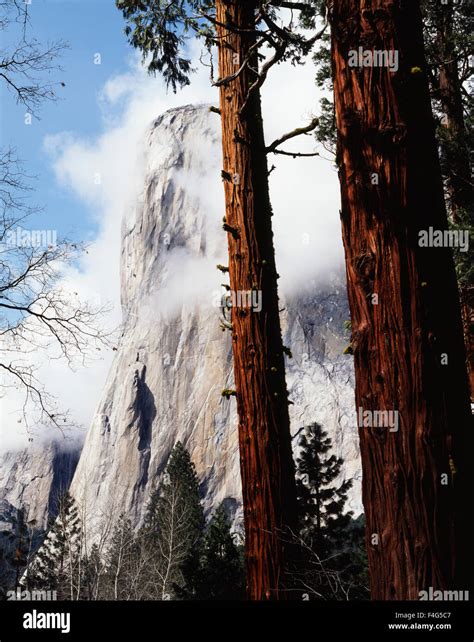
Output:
(174, 359)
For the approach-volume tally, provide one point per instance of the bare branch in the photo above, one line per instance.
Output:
(261, 77)
(22, 68)
(299, 131)
(295, 154)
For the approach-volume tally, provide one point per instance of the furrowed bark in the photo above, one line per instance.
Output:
(417, 482)
(268, 483)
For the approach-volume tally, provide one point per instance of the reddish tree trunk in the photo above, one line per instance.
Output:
(417, 482)
(268, 482)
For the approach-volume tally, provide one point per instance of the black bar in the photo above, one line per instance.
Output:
(242, 621)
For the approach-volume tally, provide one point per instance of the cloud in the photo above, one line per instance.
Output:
(105, 173)
(304, 191)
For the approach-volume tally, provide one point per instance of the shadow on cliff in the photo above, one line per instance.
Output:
(64, 465)
(144, 409)
(143, 413)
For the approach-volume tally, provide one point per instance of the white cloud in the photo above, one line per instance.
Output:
(106, 172)
(304, 191)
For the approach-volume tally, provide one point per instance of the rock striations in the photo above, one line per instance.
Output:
(174, 359)
(174, 356)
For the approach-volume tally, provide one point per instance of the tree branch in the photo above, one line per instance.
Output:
(279, 53)
(296, 132)
(298, 6)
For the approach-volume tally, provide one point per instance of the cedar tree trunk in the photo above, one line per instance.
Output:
(406, 325)
(267, 468)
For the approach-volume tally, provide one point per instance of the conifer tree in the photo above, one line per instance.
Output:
(333, 560)
(222, 562)
(218, 571)
(173, 525)
(57, 565)
(321, 502)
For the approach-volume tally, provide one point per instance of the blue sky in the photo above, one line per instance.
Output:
(100, 125)
(89, 27)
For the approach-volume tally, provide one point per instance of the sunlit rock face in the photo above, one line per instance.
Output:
(34, 478)
(173, 358)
